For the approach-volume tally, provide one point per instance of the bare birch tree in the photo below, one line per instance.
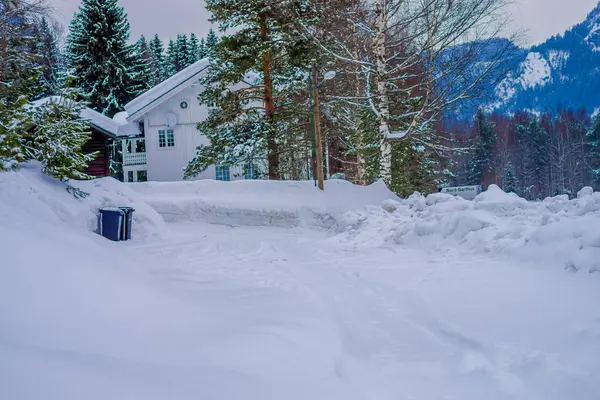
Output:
(424, 56)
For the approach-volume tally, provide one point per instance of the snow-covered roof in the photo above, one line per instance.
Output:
(165, 90)
(118, 126)
(99, 121)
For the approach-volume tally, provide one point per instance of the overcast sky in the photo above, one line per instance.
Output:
(541, 18)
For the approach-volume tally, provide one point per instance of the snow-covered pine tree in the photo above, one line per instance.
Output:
(481, 163)
(158, 56)
(181, 45)
(104, 64)
(201, 49)
(19, 77)
(267, 116)
(58, 137)
(45, 48)
(171, 59)
(210, 45)
(510, 180)
(13, 120)
(193, 49)
(147, 67)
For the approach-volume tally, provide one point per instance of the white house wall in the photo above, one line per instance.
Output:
(168, 163)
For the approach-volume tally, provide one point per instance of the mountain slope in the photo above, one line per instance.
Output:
(562, 72)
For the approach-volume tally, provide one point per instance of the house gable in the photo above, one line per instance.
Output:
(146, 102)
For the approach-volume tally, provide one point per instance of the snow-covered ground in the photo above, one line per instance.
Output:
(420, 298)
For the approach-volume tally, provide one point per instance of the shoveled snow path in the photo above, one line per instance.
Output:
(387, 323)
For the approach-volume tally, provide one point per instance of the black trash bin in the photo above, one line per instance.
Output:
(111, 223)
(128, 225)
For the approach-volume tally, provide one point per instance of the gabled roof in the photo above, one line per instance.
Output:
(165, 90)
(99, 121)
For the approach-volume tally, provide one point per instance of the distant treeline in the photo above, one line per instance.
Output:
(533, 156)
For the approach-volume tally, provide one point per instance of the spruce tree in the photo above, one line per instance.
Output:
(210, 46)
(106, 68)
(13, 122)
(193, 49)
(58, 138)
(481, 162)
(45, 48)
(540, 159)
(510, 180)
(202, 49)
(158, 55)
(147, 66)
(181, 51)
(171, 60)
(268, 119)
(19, 81)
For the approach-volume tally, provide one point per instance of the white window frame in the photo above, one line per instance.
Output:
(166, 133)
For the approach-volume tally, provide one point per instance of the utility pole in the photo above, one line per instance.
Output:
(317, 123)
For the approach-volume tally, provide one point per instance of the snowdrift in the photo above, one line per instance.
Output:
(556, 231)
(85, 318)
(260, 203)
(28, 192)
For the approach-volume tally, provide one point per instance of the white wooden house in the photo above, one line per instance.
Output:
(160, 134)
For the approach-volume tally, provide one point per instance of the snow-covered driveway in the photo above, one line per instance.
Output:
(419, 299)
(313, 319)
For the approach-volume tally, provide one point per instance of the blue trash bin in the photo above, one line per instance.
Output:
(111, 223)
(128, 223)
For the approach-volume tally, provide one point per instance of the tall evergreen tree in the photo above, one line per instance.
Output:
(158, 55)
(45, 48)
(481, 164)
(193, 50)
(268, 118)
(106, 68)
(171, 59)
(19, 77)
(210, 45)
(181, 51)
(510, 180)
(147, 66)
(202, 49)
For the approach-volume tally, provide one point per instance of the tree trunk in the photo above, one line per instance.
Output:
(273, 148)
(385, 149)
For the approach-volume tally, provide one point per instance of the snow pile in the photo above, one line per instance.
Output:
(29, 192)
(83, 317)
(260, 203)
(554, 231)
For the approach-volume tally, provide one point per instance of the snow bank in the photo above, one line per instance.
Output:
(84, 318)
(260, 203)
(554, 231)
(28, 192)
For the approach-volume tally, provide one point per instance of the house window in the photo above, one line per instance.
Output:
(166, 138)
(142, 176)
(223, 173)
(129, 176)
(251, 172)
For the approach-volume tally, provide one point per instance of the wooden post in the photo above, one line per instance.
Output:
(317, 123)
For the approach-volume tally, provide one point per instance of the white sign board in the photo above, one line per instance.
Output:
(466, 192)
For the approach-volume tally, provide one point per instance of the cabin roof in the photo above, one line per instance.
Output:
(100, 122)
